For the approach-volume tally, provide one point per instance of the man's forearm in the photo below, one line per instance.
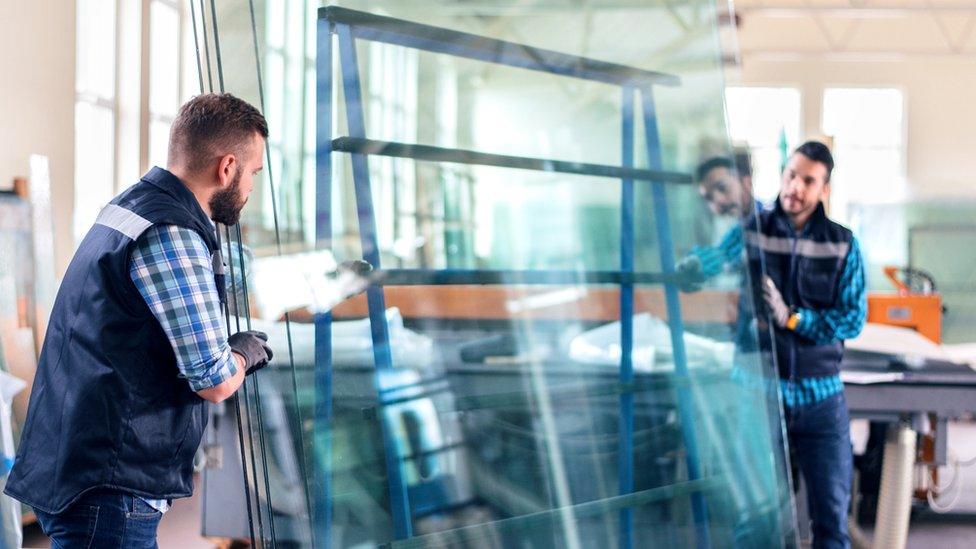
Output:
(224, 390)
(823, 327)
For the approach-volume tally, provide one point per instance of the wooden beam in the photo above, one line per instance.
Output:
(466, 302)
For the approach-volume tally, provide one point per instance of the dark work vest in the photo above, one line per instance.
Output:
(108, 408)
(806, 268)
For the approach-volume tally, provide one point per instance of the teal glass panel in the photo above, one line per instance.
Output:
(528, 365)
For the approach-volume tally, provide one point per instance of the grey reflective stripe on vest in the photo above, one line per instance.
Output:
(804, 247)
(126, 222)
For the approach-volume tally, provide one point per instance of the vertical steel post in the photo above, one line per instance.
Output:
(399, 502)
(322, 430)
(686, 409)
(626, 448)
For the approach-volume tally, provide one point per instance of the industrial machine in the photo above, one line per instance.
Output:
(915, 305)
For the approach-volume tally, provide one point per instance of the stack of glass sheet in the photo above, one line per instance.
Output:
(525, 368)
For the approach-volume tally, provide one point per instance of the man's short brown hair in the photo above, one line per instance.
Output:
(212, 125)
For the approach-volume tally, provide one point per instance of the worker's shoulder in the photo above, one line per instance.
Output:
(758, 220)
(754, 221)
(168, 236)
(839, 232)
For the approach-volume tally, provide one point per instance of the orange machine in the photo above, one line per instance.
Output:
(916, 305)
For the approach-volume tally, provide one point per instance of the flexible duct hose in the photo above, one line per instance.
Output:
(895, 499)
(859, 539)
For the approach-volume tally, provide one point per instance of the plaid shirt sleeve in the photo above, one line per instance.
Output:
(172, 269)
(846, 319)
(731, 244)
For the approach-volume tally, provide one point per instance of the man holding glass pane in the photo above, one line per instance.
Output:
(136, 342)
(807, 271)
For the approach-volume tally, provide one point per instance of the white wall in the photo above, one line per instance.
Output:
(37, 65)
(940, 109)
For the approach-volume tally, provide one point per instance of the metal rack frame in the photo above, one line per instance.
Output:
(348, 25)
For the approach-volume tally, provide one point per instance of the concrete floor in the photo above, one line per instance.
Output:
(944, 533)
(180, 526)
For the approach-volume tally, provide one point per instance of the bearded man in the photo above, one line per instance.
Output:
(136, 344)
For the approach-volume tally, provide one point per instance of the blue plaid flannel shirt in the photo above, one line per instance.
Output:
(844, 320)
(173, 271)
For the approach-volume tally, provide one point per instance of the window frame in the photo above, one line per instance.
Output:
(801, 120)
(132, 25)
(903, 129)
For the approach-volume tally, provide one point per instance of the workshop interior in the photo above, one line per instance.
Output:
(538, 354)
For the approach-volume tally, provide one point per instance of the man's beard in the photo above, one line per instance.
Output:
(226, 204)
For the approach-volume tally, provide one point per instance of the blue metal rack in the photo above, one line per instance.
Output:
(347, 26)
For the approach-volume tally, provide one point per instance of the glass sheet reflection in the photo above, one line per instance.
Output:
(523, 368)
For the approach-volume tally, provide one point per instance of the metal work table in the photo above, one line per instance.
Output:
(945, 389)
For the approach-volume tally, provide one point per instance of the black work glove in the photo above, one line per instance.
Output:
(253, 346)
(692, 274)
(357, 267)
(353, 276)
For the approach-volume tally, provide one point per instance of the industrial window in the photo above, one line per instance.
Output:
(288, 60)
(129, 85)
(95, 110)
(768, 121)
(868, 130)
(165, 75)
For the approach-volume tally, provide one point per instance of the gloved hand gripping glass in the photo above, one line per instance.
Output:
(253, 347)
(306, 284)
(779, 311)
(712, 260)
(350, 278)
(698, 266)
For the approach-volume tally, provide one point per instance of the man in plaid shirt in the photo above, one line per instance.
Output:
(136, 342)
(813, 290)
(809, 276)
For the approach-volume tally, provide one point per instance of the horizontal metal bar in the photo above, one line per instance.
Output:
(528, 523)
(439, 450)
(377, 28)
(435, 277)
(659, 382)
(430, 153)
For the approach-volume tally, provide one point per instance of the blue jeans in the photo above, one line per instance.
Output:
(103, 518)
(820, 447)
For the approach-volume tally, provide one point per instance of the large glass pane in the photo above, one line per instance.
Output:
(526, 368)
